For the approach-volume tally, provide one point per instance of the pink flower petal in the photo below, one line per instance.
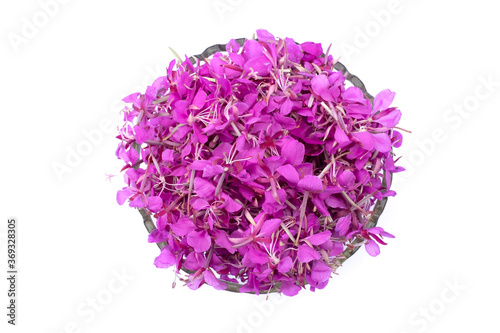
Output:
(320, 84)
(212, 170)
(199, 240)
(319, 238)
(312, 48)
(165, 259)
(168, 155)
(346, 179)
(137, 202)
(199, 99)
(311, 183)
(290, 173)
(286, 107)
(285, 265)
(204, 188)
(270, 204)
(265, 36)
(253, 257)
(230, 205)
(183, 226)
(261, 65)
(335, 202)
(269, 227)
(343, 225)
(397, 139)
(337, 249)
(306, 253)
(289, 288)
(222, 240)
(383, 100)
(388, 118)
(341, 138)
(367, 140)
(200, 204)
(372, 248)
(320, 272)
(155, 203)
(123, 195)
(211, 280)
(194, 261)
(293, 151)
(382, 142)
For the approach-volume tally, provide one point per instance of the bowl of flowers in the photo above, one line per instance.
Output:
(260, 165)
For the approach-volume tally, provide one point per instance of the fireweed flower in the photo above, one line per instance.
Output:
(260, 165)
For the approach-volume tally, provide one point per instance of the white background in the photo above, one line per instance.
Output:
(68, 75)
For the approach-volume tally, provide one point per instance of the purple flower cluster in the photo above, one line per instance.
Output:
(260, 165)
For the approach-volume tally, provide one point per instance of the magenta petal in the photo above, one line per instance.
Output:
(196, 283)
(199, 240)
(337, 249)
(230, 205)
(372, 248)
(306, 253)
(252, 49)
(168, 155)
(285, 265)
(341, 138)
(269, 227)
(211, 280)
(200, 164)
(367, 140)
(319, 238)
(382, 142)
(180, 112)
(155, 203)
(137, 202)
(199, 99)
(134, 99)
(194, 261)
(123, 195)
(265, 36)
(157, 236)
(320, 272)
(311, 184)
(346, 179)
(274, 162)
(389, 119)
(397, 139)
(315, 285)
(141, 134)
(383, 100)
(183, 226)
(200, 204)
(270, 204)
(222, 240)
(290, 173)
(312, 48)
(293, 151)
(343, 225)
(253, 257)
(320, 84)
(204, 188)
(165, 259)
(286, 107)
(262, 65)
(289, 288)
(380, 231)
(294, 50)
(212, 170)
(335, 202)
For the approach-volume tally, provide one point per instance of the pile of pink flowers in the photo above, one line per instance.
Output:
(259, 165)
